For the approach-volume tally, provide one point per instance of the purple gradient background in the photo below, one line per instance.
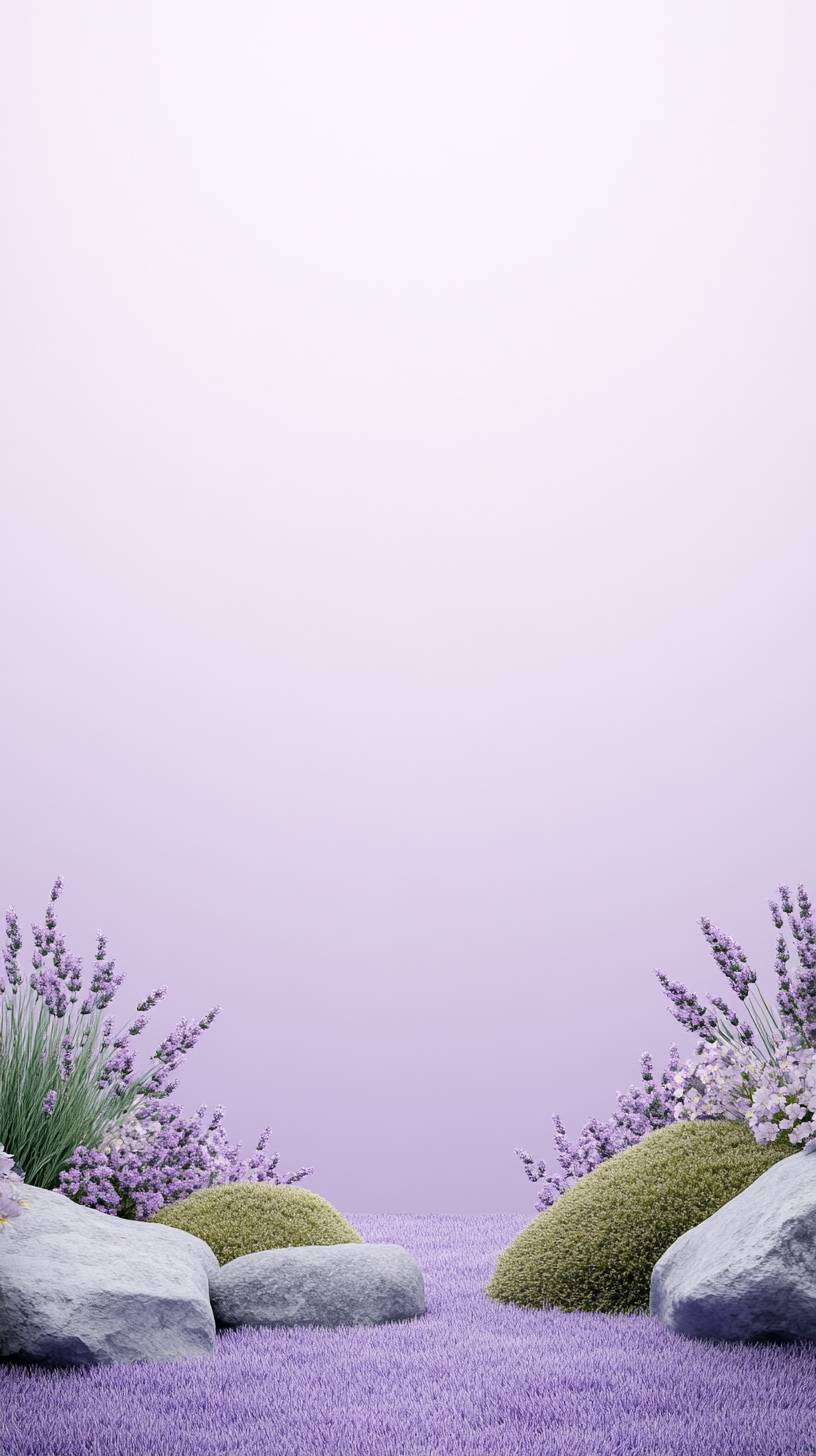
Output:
(407, 541)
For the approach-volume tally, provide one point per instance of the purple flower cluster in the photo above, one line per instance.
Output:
(776, 1098)
(730, 958)
(796, 999)
(173, 1049)
(11, 974)
(58, 985)
(688, 1009)
(159, 1156)
(639, 1110)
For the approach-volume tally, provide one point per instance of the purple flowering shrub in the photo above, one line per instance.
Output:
(641, 1109)
(9, 1179)
(758, 1065)
(761, 1069)
(159, 1156)
(66, 1076)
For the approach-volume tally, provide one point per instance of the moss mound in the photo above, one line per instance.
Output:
(596, 1247)
(244, 1218)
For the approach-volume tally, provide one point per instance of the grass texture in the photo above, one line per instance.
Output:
(595, 1249)
(472, 1378)
(243, 1218)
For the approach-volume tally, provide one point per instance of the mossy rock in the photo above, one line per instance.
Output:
(595, 1248)
(244, 1218)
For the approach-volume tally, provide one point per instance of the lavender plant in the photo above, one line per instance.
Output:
(762, 1069)
(758, 1066)
(159, 1156)
(768, 1032)
(66, 1076)
(640, 1109)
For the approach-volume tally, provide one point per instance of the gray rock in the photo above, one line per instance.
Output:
(78, 1287)
(319, 1284)
(748, 1271)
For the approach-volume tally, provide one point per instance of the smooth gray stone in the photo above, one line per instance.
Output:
(79, 1287)
(319, 1284)
(749, 1271)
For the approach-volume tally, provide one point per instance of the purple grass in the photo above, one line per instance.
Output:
(473, 1378)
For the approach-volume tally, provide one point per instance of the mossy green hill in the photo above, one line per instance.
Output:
(244, 1218)
(596, 1247)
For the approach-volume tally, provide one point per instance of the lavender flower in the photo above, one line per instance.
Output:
(11, 950)
(104, 984)
(804, 936)
(730, 958)
(49, 1102)
(159, 1156)
(66, 1061)
(688, 1009)
(73, 977)
(638, 1110)
(88, 1179)
(153, 999)
(180, 1041)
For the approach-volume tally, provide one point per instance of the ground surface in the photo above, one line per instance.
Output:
(472, 1378)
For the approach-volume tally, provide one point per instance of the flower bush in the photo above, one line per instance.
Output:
(755, 1064)
(761, 1069)
(73, 1108)
(9, 1179)
(66, 1077)
(777, 1098)
(160, 1156)
(641, 1109)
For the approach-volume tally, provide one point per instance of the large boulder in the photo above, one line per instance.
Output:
(78, 1287)
(596, 1247)
(748, 1271)
(339, 1284)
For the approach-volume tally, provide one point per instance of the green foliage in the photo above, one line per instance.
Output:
(244, 1218)
(58, 1081)
(30, 1047)
(596, 1247)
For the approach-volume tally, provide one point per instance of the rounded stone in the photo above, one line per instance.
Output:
(335, 1284)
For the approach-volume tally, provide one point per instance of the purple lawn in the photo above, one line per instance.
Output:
(472, 1377)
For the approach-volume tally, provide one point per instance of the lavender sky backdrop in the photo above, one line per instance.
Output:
(407, 541)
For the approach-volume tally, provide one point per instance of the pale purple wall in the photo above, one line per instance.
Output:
(407, 540)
